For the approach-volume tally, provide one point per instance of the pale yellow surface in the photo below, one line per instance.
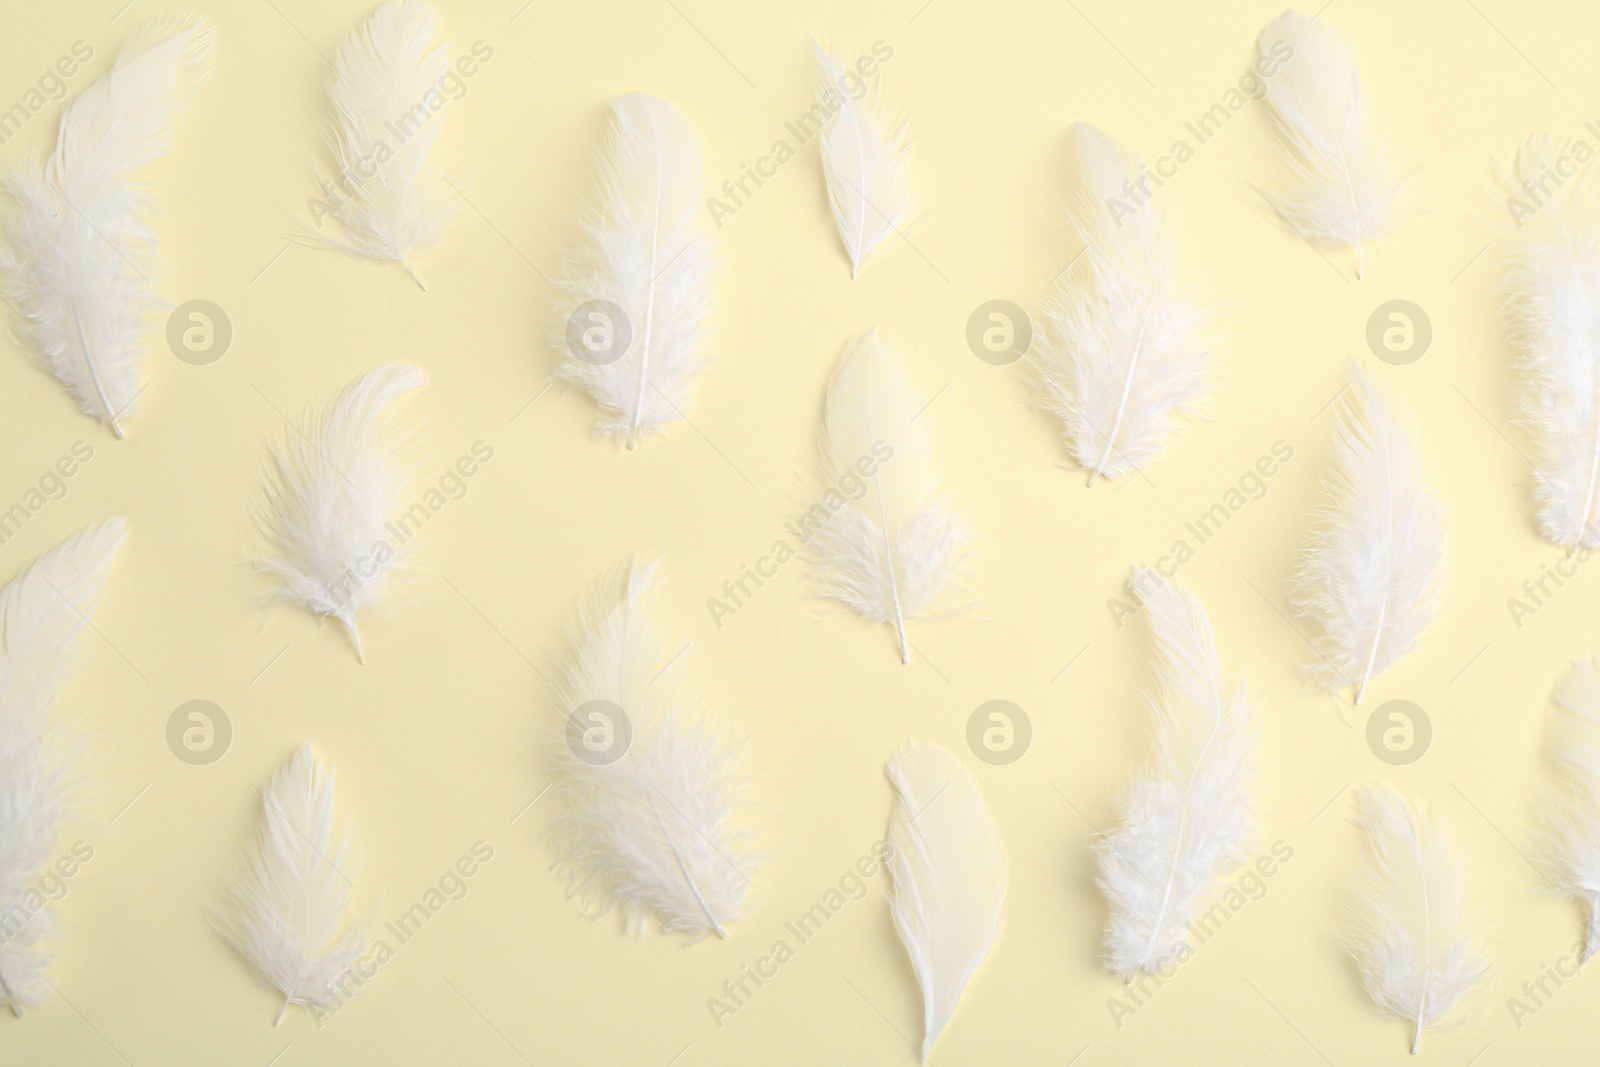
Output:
(436, 738)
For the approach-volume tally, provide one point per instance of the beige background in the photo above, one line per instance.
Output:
(436, 737)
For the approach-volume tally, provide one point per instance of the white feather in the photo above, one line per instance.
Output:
(652, 819)
(644, 249)
(1552, 293)
(891, 552)
(1571, 844)
(949, 874)
(1125, 354)
(1371, 574)
(390, 193)
(1343, 186)
(45, 615)
(289, 910)
(80, 261)
(1186, 820)
(1412, 935)
(330, 491)
(866, 159)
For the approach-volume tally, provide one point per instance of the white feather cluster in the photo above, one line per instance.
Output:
(1571, 843)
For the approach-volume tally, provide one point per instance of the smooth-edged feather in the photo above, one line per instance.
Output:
(1342, 186)
(866, 159)
(1125, 353)
(1412, 934)
(1552, 298)
(331, 488)
(1371, 574)
(45, 615)
(653, 819)
(289, 911)
(1186, 820)
(949, 873)
(1570, 843)
(390, 195)
(79, 261)
(643, 248)
(885, 542)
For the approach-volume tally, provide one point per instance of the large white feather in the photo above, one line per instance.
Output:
(652, 819)
(1343, 186)
(289, 910)
(1186, 820)
(644, 249)
(1412, 934)
(1571, 843)
(330, 491)
(1125, 355)
(44, 622)
(1371, 574)
(80, 261)
(886, 542)
(866, 159)
(949, 872)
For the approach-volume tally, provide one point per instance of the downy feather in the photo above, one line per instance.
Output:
(949, 874)
(80, 262)
(331, 488)
(1571, 841)
(1125, 355)
(1186, 820)
(643, 248)
(289, 911)
(866, 159)
(1412, 935)
(893, 553)
(44, 623)
(1371, 574)
(653, 819)
(1342, 186)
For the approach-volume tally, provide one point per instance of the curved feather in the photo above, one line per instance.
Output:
(1186, 820)
(44, 626)
(644, 249)
(79, 261)
(1412, 935)
(949, 874)
(1571, 843)
(1126, 354)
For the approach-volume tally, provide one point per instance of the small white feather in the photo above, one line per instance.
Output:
(1571, 843)
(949, 874)
(289, 910)
(1186, 820)
(1412, 935)
(330, 491)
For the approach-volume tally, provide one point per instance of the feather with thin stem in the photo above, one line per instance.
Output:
(333, 508)
(643, 258)
(45, 615)
(1412, 934)
(1125, 354)
(1186, 820)
(1371, 574)
(79, 261)
(653, 819)
(884, 541)
(1571, 840)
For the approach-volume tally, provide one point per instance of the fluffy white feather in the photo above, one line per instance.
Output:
(885, 542)
(80, 261)
(289, 910)
(1371, 574)
(390, 195)
(332, 487)
(866, 159)
(949, 874)
(652, 820)
(44, 622)
(1412, 934)
(1343, 186)
(1125, 353)
(1552, 294)
(1186, 820)
(643, 248)
(1571, 842)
